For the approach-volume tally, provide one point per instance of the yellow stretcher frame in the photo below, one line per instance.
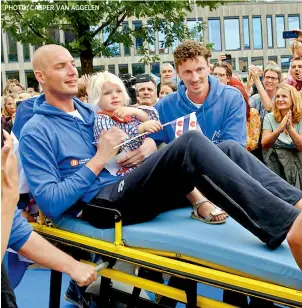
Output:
(174, 264)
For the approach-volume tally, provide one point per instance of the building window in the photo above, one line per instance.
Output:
(257, 32)
(2, 57)
(293, 22)
(193, 32)
(69, 37)
(273, 58)
(138, 68)
(155, 69)
(243, 64)
(138, 41)
(234, 64)
(12, 49)
(111, 68)
(232, 33)
(31, 81)
(161, 43)
(37, 46)
(214, 33)
(269, 31)
(99, 68)
(176, 41)
(246, 32)
(285, 63)
(113, 48)
(123, 69)
(279, 31)
(26, 54)
(126, 29)
(54, 33)
(12, 75)
(258, 61)
(151, 44)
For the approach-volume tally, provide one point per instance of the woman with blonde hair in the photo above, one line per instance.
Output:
(282, 136)
(9, 111)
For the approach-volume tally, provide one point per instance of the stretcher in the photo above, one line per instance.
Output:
(225, 256)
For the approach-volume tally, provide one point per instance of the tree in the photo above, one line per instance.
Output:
(34, 22)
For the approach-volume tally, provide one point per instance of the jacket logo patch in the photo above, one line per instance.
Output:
(74, 162)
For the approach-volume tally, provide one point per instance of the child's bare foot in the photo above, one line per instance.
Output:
(207, 212)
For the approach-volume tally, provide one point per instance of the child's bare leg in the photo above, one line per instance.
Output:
(195, 196)
(294, 239)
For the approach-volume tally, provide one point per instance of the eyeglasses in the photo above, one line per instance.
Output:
(272, 78)
(219, 75)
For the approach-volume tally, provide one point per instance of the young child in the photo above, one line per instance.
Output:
(110, 98)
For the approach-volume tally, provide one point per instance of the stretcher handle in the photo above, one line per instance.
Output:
(101, 266)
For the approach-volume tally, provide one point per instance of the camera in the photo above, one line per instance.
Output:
(290, 34)
(228, 58)
(129, 81)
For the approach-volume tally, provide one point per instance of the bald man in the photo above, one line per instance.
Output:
(166, 75)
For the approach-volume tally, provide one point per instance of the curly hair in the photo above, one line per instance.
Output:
(190, 49)
(296, 107)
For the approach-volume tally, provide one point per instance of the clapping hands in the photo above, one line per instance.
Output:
(286, 123)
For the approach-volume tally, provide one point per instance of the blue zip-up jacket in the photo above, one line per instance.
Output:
(221, 117)
(54, 148)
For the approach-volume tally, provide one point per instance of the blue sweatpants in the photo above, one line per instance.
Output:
(227, 174)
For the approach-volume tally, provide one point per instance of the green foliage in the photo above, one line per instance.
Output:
(31, 22)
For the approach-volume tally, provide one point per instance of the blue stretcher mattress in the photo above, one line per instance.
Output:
(228, 245)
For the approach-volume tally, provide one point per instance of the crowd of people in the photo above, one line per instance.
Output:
(243, 125)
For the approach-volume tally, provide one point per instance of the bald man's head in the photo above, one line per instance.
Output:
(166, 73)
(55, 70)
(44, 55)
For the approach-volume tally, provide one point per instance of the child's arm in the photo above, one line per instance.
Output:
(124, 111)
(150, 126)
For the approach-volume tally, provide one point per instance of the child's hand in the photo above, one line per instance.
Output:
(122, 112)
(150, 126)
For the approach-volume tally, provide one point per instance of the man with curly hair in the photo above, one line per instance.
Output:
(220, 109)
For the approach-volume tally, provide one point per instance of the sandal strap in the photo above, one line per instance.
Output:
(215, 212)
(200, 202)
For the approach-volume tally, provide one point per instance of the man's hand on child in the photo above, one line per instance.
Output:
(108, 140)
(150, 126)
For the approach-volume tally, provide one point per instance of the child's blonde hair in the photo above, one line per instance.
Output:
(96, 87)
(297, 104)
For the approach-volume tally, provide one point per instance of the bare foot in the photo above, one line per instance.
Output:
(206, 208)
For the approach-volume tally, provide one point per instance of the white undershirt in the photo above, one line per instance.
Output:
(197, 105)
(76, 114)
